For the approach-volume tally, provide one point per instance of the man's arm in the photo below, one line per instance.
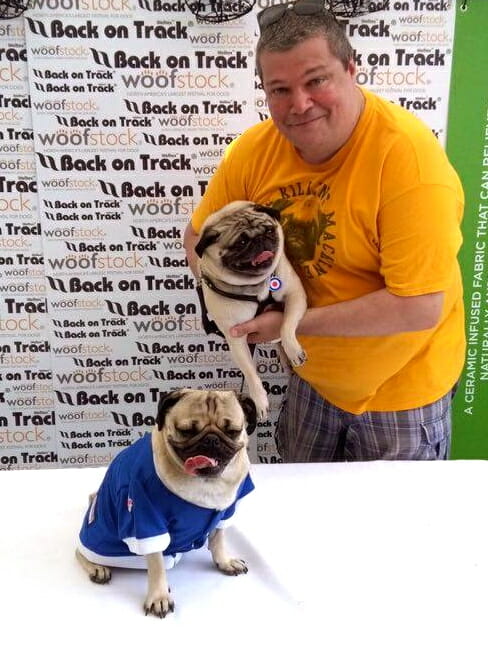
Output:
(190, 239)
(380, 313)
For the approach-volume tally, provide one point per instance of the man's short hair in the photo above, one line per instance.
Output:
(292, 29)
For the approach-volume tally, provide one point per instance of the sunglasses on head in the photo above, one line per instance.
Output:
(273, 14)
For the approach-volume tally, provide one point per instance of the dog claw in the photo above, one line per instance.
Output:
(159, 609)
(233, 567)
(101, 576)
(299, 360)
(245, 569)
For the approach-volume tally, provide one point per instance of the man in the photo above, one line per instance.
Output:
(371, 210)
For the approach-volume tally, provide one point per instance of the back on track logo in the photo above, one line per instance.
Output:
(160, 348)
(78, 285)
(121, 59)
(152, 232)
(135, 420)
(133, 308)
(83, 398)
(163, 139)
(67, 163)
(156, 190)
(162, 5)
(129, 190)
(168, 262)
(58, 29)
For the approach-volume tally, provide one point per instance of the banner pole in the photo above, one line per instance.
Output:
(467, 148)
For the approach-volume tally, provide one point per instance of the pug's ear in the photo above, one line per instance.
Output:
(250, 412)
(166, 401)
(208, 237)
(274, 213)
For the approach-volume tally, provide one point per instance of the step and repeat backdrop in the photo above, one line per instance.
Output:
(113, 116)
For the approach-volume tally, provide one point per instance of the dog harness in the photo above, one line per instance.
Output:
(210, 324)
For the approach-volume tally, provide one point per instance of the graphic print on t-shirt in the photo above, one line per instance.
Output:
(309, 237)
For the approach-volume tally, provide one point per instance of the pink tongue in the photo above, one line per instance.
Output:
(262, 256)
(196, 462)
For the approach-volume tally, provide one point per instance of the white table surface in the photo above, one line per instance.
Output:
(353, 558)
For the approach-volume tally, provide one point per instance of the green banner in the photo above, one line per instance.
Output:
(467, 147)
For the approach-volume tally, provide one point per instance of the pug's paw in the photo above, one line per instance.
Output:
(97, 573)
(294, 352)
(299, 359)
(232, 567)
(159, 604)
(260, 398)
(100, 574)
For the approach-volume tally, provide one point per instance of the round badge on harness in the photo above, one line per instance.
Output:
(275, 284)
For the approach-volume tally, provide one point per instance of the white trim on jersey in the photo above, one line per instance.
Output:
(135, 562)
(147, 545)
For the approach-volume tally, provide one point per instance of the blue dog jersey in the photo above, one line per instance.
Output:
(133, 513)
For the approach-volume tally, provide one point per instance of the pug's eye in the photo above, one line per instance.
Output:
(269, 231)
(243, 240)
(188, 432)
(233, 433)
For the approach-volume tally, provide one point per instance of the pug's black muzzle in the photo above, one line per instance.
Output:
(212, 443)
(242, 254)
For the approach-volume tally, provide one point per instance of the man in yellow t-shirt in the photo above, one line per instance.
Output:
(371, 210)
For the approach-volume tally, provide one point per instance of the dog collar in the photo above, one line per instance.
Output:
(236, 296)
(229, 294)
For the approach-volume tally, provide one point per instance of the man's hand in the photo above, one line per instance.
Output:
(265, 328)
(379, 313)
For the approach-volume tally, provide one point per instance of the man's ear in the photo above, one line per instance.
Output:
(208, 237)
(167, 400)
(274, 213)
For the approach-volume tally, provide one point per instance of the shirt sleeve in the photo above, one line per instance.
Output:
(245, 488)
(420, 237)
(419, 219)
(142, 526)
(226, 185)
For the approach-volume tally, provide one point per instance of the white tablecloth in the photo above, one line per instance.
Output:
(383, 557)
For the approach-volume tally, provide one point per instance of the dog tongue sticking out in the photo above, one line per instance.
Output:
(262, 257)
(194, 463)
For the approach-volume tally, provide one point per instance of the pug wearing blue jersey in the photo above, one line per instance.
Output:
(172, 491)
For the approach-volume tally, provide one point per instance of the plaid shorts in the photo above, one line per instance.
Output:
(310, 429)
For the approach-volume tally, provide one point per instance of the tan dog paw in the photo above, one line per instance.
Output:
(294, 352)
(299, 359)
(100, 574)
(97, 573)
(159, 604)
(232, 567)
(260, 399)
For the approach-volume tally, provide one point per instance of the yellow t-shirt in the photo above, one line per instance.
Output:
(384, 211)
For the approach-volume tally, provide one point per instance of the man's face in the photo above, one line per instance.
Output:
(312, 98)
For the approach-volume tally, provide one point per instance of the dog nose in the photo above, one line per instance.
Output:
(211, 440)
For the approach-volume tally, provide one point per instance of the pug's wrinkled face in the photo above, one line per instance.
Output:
(205, 429)
(243, 238)
(249, 242)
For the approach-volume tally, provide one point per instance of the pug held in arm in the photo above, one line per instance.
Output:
(242, 267)
(172, 491)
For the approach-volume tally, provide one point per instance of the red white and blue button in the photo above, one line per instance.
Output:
(274, 284)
